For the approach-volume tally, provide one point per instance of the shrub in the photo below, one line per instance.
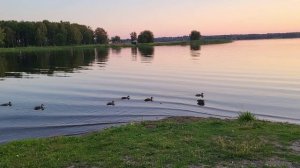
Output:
(146, 37)
(246, 117)
(195, 35)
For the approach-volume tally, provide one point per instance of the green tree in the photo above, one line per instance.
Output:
(133, 37)
(41, 34)
(87, 35)
(146, 37)
(116, 39)
(52, 30)
(101, 36)
(26, 33)
(10, 38)
(61, 35)
(2, 37)
(76, 36)
(195, 35)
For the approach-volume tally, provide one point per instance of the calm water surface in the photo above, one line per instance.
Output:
(258, 76)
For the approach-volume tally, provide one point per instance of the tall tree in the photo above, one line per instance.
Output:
(27, 33)
(101, 36)
(87, 35)
(10, 38)
(52, 29)
(76, 36)
(41, 34)
(146, 37)
(2, 36)
(133, 37)
(61, 35)
(195, 35)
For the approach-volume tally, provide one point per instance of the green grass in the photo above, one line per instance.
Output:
(173, 142)
(47, 48)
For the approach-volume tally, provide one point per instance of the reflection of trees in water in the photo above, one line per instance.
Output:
(134, 53)
(3, 66)
(101, 55)
(44, 62)
(116, 50)
(195, 49)
(147, 53)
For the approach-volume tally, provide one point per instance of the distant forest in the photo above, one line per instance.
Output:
(45, 33)
(234, 37)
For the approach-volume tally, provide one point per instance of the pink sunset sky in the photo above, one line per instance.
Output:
(163, 17)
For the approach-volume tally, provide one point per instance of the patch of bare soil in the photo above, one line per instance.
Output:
(272, 162)
(184, 119)
(296, 146)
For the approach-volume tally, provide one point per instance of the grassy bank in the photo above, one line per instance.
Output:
(201, 42)
(173, 142)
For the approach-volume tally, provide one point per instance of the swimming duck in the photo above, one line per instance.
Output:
(6, 104)
(111, 103)
(200, 95)
(41, 107)
(201, 102)
(149, 99)
(126, 98)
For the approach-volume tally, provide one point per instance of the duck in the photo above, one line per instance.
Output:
(6, 104)
(201, 102)
(149, 99)
(111, 103)
(41, 107)
(200, 95)
(125, 98)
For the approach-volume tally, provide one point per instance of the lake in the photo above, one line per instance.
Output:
(261, 76)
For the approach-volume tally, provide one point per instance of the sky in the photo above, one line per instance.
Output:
(163, 17)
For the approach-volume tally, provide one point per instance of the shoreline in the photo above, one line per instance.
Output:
(110, 125)
(125, 45)
(196, 141)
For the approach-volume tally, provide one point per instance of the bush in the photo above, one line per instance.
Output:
(246, 116)
(195, 35)
(146, 37)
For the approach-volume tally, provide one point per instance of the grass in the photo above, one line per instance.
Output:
(246, 117)
(173, 142)
(47, 48)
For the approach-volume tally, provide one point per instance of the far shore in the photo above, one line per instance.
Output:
(119, 45)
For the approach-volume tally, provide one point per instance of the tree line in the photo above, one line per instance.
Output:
(46, 33)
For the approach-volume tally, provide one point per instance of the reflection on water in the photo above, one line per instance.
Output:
(16, 64)
(258, 76)
(134, 53)
(22, 64)
(147, 53)
(116, 50)
(195, 49)
(101, 55)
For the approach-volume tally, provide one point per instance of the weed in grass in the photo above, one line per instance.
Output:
(246, 117)
(238, 147)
